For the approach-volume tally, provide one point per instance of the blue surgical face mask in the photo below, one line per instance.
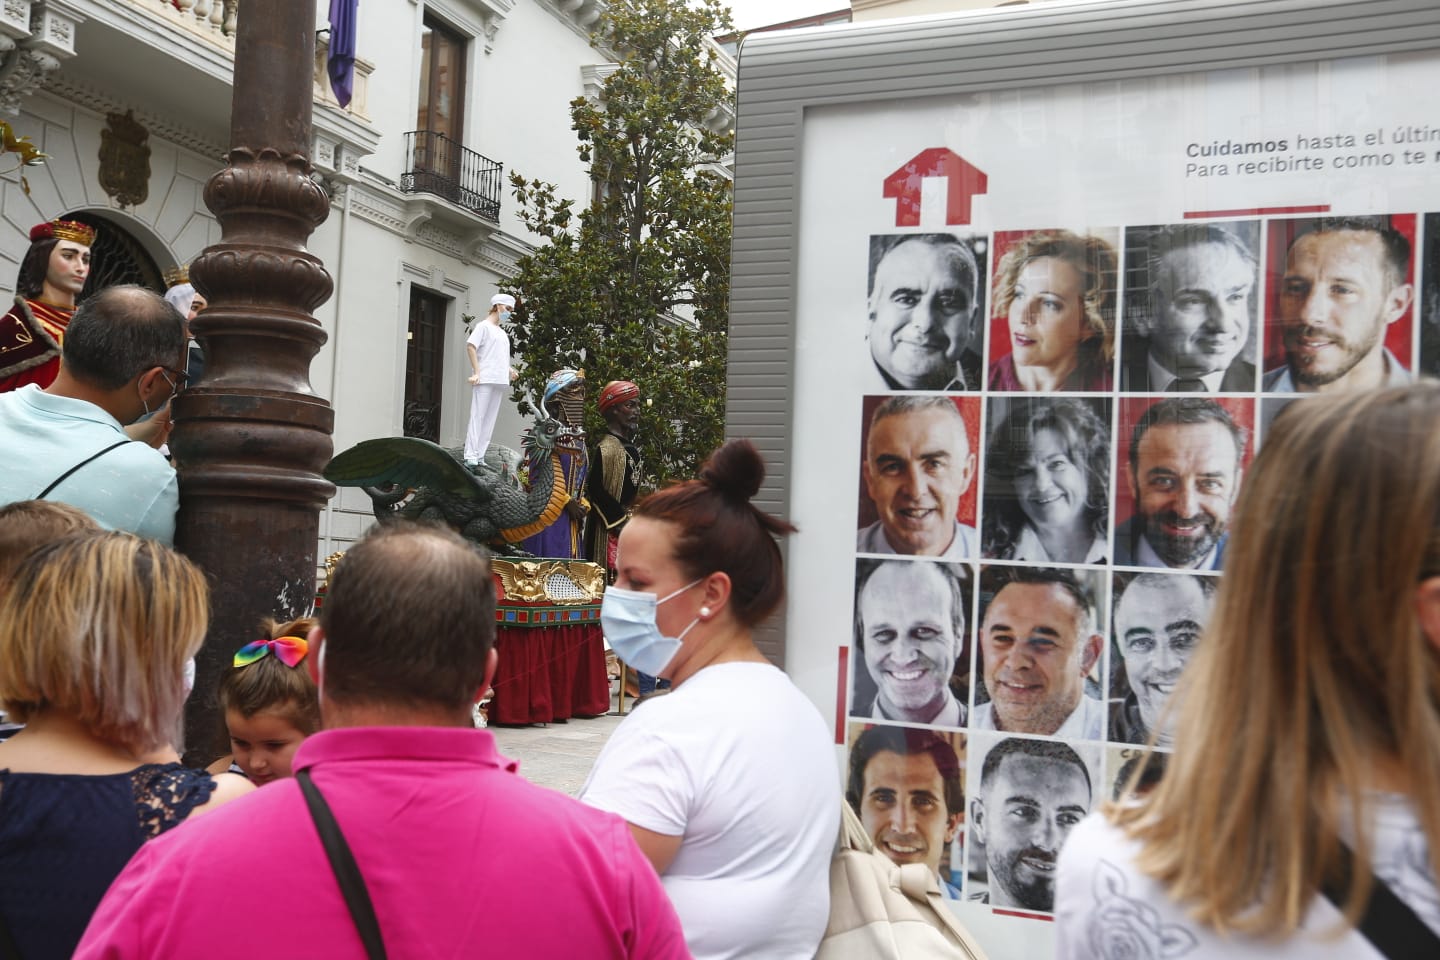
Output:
(504, 316)
(628, 619)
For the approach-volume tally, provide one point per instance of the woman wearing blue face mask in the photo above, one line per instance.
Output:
(728, 781)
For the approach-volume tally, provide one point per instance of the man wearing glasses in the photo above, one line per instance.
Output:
(123, 358)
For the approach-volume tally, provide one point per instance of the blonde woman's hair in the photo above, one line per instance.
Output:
(1092, 256)
(28, 523)
(1313, 674)
(99, 626)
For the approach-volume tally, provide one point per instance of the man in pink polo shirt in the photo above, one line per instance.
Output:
(458, 853)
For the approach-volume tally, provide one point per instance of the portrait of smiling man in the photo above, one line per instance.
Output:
(1345, 282)
(1196, 315)
(918, 465)
(910, 631)
(1039, 641)
(1159, 618)
(1032, 794)
(924, 302)
(905, 787)
(1184, 468)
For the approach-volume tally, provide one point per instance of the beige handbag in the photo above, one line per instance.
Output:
(880, 910)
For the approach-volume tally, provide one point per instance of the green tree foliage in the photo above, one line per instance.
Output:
(635, 285)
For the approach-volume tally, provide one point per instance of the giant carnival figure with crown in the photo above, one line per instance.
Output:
(52, 274)
(188, 301)
(564, 400)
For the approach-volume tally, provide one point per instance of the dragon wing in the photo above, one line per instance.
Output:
(406, 461)
(505, 464)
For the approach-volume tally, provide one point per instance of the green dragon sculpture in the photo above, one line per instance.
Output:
(412, 479)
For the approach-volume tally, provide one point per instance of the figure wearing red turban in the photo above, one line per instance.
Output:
(614, 471)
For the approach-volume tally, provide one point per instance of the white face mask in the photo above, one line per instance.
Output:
(628, 619)
(189, 676)
(144, 403)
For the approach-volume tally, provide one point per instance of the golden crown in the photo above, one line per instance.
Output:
(70, 230)
(177, 275)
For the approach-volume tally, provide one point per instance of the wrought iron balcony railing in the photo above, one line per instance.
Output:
(436, 164)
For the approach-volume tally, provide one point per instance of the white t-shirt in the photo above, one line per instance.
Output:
(492, 352)
(1105, 907)
(738, 762)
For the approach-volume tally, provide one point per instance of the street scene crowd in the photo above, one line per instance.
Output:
(1124, 580)
(704, 828)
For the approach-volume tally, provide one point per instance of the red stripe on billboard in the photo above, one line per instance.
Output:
(1023, 913)
(1254, 212)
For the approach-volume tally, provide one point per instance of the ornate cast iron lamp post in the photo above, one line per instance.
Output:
(251, 438)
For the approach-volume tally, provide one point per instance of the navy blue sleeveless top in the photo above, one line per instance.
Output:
(65, 837)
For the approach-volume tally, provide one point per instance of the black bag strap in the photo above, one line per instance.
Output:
(1388, 923)
(94, 456)
(347, 872)
(9, 949)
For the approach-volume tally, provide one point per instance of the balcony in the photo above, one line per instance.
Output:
(212, 18)
(437, 165)
(172, 63)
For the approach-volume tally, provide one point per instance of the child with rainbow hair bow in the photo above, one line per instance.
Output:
(270, 700)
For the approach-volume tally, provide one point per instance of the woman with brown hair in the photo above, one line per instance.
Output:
(1057, 291)
(728, 781)
(95, 634)
(1047, 482)
(1305, 782)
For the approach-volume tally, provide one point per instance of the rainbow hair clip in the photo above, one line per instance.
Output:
(288, 650)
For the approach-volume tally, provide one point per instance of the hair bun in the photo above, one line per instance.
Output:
(735, 470)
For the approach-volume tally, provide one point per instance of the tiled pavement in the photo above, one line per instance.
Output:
(557, 755)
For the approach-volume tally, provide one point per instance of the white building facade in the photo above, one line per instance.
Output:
(131, 101)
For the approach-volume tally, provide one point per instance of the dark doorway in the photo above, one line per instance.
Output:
(425, 364)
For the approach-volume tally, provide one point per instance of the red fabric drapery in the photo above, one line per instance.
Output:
(549, 673)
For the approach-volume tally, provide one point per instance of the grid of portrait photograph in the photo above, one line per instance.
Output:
(1054, 428)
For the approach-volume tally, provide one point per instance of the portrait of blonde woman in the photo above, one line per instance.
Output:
(1055, 292)
(1299, 815)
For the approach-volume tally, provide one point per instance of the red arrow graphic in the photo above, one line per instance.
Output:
(966, 181)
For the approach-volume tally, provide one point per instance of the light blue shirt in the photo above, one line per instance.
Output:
(41, 436)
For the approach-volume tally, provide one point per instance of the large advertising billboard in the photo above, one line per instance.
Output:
(1039, 336)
